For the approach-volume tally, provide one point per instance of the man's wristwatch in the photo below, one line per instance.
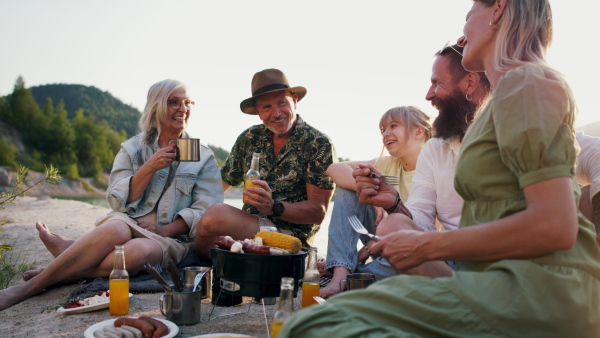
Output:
(278, 208)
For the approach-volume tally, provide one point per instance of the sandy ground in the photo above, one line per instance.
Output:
(37, 316)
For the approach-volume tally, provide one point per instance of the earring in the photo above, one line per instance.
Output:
(469, 98)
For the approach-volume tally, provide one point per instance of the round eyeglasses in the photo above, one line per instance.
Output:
(176, 104)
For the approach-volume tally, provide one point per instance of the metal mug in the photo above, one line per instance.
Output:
(187, 150)
(357, 281)
(190, 273)
(182, 308)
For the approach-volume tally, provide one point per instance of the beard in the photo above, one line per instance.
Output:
(455, 115)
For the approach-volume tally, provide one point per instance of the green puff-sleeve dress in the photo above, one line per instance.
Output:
(523, 136)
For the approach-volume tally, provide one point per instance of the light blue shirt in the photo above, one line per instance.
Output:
(195, 187)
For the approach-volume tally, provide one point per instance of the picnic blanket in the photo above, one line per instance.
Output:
(141, 283)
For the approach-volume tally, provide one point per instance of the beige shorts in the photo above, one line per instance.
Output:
(171, 248)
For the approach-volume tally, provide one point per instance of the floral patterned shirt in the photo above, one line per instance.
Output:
(303, 159)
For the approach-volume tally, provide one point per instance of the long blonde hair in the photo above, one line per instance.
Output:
(156, 108)
(525, 33)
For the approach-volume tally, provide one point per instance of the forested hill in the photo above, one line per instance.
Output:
(93, 101)
(76, 128)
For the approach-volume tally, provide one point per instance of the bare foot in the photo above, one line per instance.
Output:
(29, 274)
(339, 273)
(16, 294)
(331, 289)
(8, 299)
(56, 244)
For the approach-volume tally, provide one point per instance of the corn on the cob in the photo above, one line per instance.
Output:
(280, 240)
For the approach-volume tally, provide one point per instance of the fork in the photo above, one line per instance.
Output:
(358, 227)
(318, 299)
(387, 179)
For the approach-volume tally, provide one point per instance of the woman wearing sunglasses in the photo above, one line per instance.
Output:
(528, 262)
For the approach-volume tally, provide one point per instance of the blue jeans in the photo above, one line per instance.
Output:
(342, 241)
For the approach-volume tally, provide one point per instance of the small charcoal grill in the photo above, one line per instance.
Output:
(259, 276)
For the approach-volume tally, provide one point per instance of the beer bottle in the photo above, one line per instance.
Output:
(311, 283)
(252, 174)
(286, 305)
(118, 285)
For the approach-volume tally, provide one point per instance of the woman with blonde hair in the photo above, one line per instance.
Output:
(404, 131)
(528, 263)
(157, 202)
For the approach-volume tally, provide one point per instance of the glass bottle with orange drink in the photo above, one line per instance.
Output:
(252, 174)
(286, 305)
(118, 285)
(311, 281)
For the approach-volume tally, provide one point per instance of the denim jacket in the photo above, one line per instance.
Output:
(195, 187)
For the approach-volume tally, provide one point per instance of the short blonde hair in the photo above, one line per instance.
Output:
(408, 116)
(156, 108)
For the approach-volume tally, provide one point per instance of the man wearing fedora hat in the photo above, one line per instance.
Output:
(294, 191)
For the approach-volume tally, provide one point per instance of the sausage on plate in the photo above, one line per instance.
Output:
(161, 328)
(145, 326)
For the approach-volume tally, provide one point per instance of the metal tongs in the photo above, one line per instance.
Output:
(151, 270)
(173, 272)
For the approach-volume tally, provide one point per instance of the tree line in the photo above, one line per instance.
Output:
(74, 132)
(80, 147)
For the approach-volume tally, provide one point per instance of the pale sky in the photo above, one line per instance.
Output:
(357, 59)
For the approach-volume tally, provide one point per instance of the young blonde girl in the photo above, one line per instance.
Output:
(404, 131)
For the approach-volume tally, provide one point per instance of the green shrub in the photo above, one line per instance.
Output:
(19, 187)
(8, 153)
(12, 265)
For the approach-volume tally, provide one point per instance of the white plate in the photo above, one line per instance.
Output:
(89, 333)
(86, 308)
(218, 335)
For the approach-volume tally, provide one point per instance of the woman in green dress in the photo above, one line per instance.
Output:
(528, 262)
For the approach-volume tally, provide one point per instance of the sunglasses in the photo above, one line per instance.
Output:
(176, 104)
(448, 46)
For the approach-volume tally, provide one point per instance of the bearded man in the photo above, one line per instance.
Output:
(434, 204)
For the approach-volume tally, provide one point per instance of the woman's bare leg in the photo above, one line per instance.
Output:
(138, 252)
(82, 258)
(55, 243)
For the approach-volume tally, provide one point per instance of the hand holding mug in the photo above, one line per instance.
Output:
(187, 149)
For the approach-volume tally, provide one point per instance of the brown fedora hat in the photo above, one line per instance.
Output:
(268, 81)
